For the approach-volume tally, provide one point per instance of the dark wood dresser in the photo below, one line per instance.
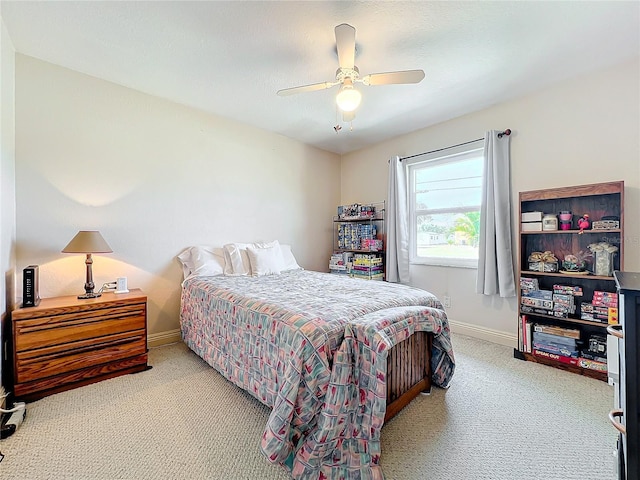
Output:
(66, 342)
(626, 416)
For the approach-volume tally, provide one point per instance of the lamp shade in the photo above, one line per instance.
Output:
(87, 241)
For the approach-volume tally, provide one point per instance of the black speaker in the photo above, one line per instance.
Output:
(30, 292)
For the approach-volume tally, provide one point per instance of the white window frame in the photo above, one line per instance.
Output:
(453, 154)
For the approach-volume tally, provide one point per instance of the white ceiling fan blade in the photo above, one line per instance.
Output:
(348, 116)
(306, 88)
(390, 78)
(346, 45)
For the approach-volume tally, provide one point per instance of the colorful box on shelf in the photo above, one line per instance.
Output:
(356, 274)
(608, 299)
(596, 358)
(527, 284)
(605, 224)
(535, 310)
(556, 357)
(531, 221)
(555, 330)
(544, 294)
(337, 267)
(365, 256)
(531, 226)
(537, 302)
(526, 217)
(568, 290)
(368, 262)
(592, 365)
(356, 211)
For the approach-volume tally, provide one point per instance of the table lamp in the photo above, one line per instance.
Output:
(88, 242)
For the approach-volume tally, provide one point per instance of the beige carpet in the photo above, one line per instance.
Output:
(501, 419)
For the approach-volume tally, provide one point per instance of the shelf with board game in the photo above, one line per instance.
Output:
(358, 241)
(570, 242)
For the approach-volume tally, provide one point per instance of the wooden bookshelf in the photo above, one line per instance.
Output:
(599, 201)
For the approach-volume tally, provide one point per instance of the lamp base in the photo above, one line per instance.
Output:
(85, 296)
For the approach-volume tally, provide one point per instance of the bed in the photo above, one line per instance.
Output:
(333, 357)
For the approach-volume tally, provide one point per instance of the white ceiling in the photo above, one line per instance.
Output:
(230, 58)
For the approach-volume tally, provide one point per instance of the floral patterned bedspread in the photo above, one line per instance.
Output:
(313, 346)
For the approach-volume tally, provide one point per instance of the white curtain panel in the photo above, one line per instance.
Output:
(397, 227)
(495, 262)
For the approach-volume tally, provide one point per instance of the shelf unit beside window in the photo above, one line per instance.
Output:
(355, 254)
(598, 201)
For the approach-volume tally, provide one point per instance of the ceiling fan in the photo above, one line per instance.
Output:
(348, 75)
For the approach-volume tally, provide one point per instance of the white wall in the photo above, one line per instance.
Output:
(7, 185)
(154, 177)
(585, 130)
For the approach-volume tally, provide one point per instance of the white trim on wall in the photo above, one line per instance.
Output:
(163, 338)
(484, 333)
(488, 334)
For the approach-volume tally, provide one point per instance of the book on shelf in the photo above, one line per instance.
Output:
(520, 338)
(525, 329)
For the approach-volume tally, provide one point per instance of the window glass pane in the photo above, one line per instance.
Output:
(448, 235)
(452, 184)
(446, 194)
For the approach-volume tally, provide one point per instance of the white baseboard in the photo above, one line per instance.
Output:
(484, 333)
(163, 338)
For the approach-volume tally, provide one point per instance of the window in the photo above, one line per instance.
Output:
(444, 207)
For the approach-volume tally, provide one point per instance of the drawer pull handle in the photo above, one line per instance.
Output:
(615, 331)
(618, 426)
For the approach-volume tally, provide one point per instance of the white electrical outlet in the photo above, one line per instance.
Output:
(446, 301)
(121, 285)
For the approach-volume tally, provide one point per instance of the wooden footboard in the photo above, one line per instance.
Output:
(408, 371)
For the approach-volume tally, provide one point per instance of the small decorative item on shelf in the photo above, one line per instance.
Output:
(566, 219)
(575, 263)
(603, 258)
(543, 262)
(584, 223)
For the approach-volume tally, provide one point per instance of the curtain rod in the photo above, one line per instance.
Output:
(507, 132)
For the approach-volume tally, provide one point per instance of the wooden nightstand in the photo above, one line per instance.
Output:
(65, 342)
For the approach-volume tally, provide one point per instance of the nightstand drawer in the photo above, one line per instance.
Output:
(50, 361)
(61, 329)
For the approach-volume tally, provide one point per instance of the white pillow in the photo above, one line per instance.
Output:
(236, 259)
(288, 260)
(202, 261)
(265, 260)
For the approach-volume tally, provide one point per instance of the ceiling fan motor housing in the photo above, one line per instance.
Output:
(352, 73)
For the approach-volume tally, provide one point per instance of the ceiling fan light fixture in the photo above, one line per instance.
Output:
(348, 98)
